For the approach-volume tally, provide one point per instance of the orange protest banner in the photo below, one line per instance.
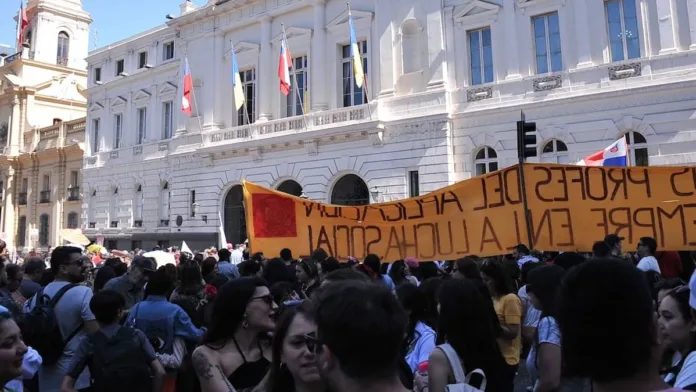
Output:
(571, 207)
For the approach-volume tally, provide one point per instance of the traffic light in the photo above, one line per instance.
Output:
(526, 140)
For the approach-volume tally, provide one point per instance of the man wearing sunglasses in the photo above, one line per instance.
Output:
(359, 338)
(131, 285)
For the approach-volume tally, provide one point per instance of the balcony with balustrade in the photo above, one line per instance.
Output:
(45, 196)
(305, 125)
(73, 193)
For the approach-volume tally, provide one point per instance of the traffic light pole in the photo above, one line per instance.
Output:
(523, 185)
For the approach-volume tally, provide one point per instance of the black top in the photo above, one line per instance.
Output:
(249, 374)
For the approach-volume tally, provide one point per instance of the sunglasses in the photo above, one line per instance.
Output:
(268, 299)
(312, 342)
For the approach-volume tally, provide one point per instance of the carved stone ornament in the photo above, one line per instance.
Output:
(311, 146)
(548, 83)
(113, 154)
(479, 94)
(625, 71)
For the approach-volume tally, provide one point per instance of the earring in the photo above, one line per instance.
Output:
(245, 324)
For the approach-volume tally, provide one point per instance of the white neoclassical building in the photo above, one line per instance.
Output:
(446, 82)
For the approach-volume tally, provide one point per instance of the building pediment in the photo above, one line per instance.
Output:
(293, 32)
(95, 107)
(342, 18)
(167, 88)
(476, 10)
(141, 95)
(118, 101)
(243, 48)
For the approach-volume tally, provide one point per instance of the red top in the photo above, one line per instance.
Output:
(670, 264)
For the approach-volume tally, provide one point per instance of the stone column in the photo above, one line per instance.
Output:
(666, 23)
(512, 55)
(318, 87)
(15, 131)
(265, 71)
(691, 4)
(582, 35)
(450, 54)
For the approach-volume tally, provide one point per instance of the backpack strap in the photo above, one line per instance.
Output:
(455, 362)
(54, 301)
(483, 377)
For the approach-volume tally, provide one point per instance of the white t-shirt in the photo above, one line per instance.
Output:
(649, 263)
(531, 319)
(687, 374)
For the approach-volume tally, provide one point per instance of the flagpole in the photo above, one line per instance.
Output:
(19, 47)
(367, 93)
(294, 75)
(195, 102)
(244, 106)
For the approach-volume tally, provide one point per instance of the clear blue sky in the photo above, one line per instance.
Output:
(113, 19)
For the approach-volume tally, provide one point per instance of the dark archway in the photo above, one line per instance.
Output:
(291, 187)
(350, 190)
(234, 218)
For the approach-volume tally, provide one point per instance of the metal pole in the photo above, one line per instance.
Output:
(523, 187)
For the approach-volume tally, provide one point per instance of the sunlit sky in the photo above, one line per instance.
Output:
(113, 20)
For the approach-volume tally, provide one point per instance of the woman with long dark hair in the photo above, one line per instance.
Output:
(373, 262)
(508, 307)
(465, 324)
(235, 352)
(544, 359)
(293, 368)
(420, 338)
(307, 274)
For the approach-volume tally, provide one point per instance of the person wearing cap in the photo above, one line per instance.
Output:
(131, 285)
(647, 247)
(614, 242)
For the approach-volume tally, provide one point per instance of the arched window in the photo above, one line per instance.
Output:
(165, 196)
(235, 220)
(22, 231)
(554, 151)
(486, 161)
(63, 48)
(72, 220)
(114, 209)
(637, 149)
(291, 187)
(350, 190)
(44, 229)
(27, 39)
(138, 207)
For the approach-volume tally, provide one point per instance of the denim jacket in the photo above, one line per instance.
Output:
(161, 322)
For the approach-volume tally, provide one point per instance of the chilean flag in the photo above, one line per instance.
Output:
(284, 64)
(22, 23)
(188, 87)
(614, 155)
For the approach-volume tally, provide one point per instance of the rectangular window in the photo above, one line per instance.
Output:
(120, 66)
(481, 56)
(352, 94)
(142, 125)
(95, 133)
(74, 176)
(298, 96)
(46, 183)
(547, 43)
(25, 185)
(97, 74)
(193, 201)
(247, 113)
(168, 51)
(413, 184)
(118, 130)
(622, 26)
(142, 59)
(167, 120)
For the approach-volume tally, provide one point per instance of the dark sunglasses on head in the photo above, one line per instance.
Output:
(268, 299)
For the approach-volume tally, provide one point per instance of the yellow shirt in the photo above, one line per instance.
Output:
(509, 311)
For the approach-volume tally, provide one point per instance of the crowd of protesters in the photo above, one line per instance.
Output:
(227, 320)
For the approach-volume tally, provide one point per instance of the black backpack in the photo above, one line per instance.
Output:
(118, 363)
(41, 330)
